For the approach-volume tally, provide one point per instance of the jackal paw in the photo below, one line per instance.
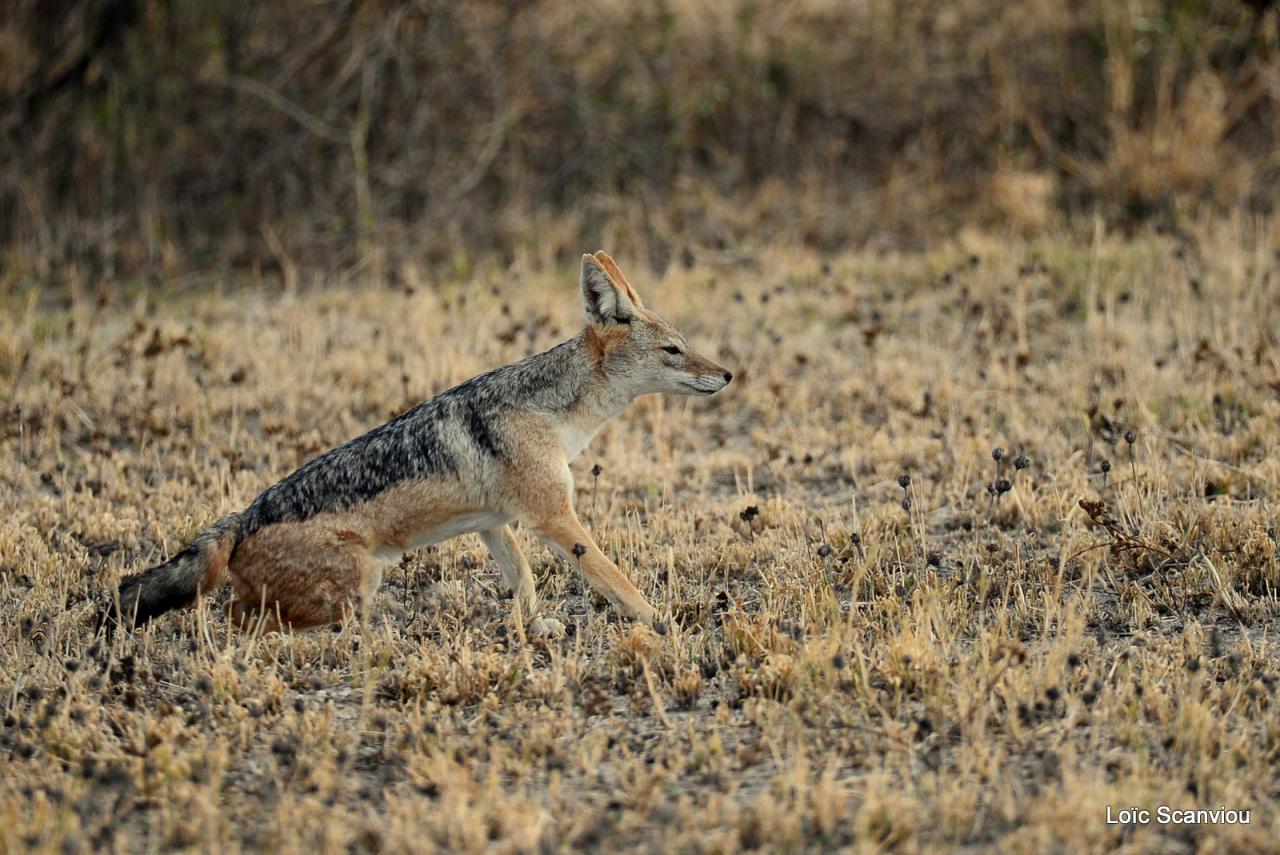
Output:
(545, 627)
(649, 616)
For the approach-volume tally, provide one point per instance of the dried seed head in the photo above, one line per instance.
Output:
(997, 454)
(1003, 486)
(1106, 466)
(1130, 437)
(904, 480)
(1021, 462)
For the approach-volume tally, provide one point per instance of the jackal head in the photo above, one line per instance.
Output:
(637, 349)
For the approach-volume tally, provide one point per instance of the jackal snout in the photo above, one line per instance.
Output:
(707, 377)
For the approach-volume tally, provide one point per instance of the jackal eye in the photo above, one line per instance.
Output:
(672, 349)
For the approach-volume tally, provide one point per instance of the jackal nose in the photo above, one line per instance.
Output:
(728, 375)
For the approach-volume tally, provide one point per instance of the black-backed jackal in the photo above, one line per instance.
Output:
(491, 451)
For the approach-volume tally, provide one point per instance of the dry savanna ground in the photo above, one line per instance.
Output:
(1072, 602)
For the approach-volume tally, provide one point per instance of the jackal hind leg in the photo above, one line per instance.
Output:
(301, 575)
(505, 549)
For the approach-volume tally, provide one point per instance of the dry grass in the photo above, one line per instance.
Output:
(971, 671)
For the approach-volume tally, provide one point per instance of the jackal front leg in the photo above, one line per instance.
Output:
(567, 536)
(505, 549)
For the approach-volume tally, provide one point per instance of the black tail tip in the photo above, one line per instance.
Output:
(121, 610)
(105, 621)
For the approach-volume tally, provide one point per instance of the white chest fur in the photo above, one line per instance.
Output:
(575, 437)
(461, 524)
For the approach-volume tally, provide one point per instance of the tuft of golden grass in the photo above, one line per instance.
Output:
(869, 648)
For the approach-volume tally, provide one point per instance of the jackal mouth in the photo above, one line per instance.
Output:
(698, 389)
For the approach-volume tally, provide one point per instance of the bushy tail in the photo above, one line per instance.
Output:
(177, 582)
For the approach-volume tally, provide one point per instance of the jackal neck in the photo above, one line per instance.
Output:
(597, 397)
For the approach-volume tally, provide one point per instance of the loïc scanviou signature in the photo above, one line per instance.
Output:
(1165, 815)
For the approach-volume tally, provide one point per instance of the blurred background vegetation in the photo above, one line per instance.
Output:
(157, 137)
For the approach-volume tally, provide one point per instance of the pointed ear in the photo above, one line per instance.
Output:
(605, 302)
(615, 273)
